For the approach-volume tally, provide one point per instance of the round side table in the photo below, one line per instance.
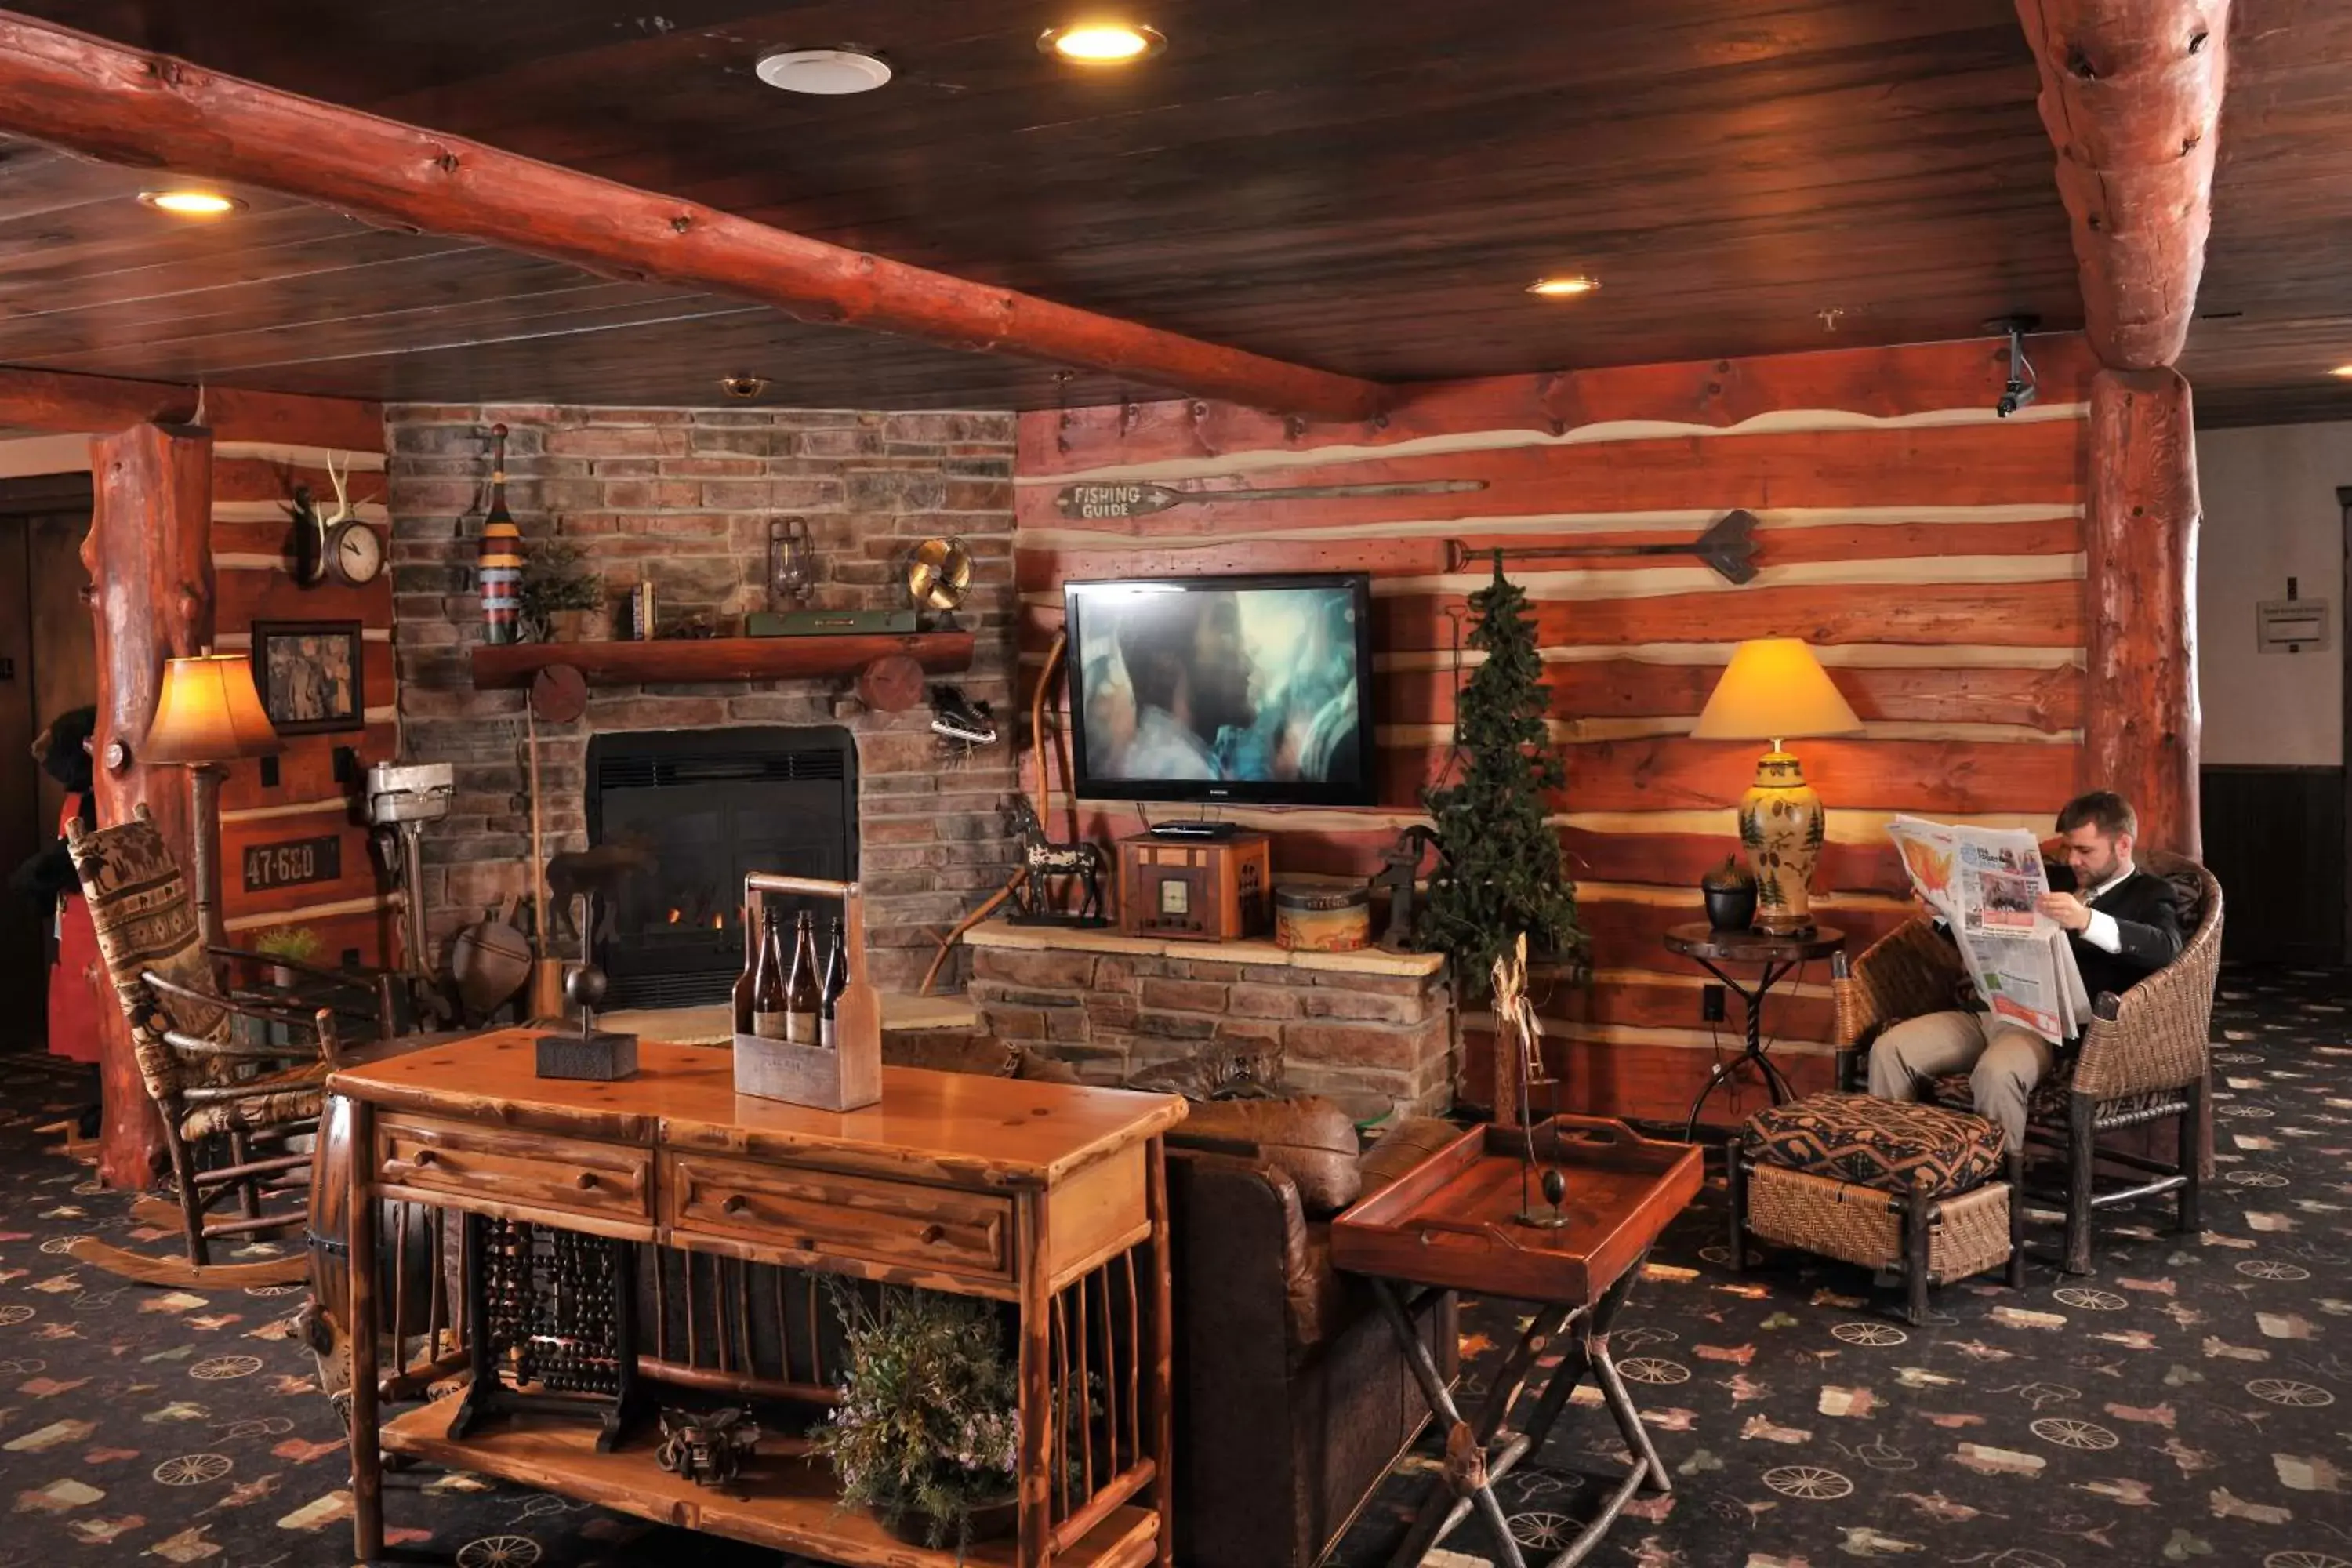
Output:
(1780, 956)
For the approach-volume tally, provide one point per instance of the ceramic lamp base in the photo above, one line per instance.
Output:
(1781, 827)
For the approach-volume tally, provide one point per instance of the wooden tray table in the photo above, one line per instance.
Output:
(1453, 1224)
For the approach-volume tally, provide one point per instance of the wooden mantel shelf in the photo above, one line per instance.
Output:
(686, 659)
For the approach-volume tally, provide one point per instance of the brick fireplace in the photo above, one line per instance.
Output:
(682, 497)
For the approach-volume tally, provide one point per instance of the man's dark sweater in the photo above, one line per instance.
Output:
(2147, 922)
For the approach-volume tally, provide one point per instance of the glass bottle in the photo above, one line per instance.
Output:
(805, 990)
(836, 981)
(768, 1019)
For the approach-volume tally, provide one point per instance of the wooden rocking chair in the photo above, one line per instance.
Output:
(217, 1081)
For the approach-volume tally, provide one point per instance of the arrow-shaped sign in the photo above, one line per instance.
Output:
(1092, 501)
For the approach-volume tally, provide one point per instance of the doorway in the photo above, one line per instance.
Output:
(48, 667)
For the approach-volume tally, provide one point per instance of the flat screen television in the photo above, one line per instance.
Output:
(1248, 689)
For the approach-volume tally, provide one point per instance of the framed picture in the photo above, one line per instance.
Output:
(309, 675)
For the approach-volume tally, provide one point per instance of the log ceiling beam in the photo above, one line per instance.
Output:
(101, 405)
(2131, 95)
(128, 106)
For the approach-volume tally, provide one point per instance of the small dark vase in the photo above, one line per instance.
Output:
(989, 1521)
(1730, 908)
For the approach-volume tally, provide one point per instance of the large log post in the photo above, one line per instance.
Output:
(150, 558)
(2139, 542)
(2131, 94)
(103, 101)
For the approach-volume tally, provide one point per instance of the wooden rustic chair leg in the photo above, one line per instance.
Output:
(1735, 1198)
(2017, 1219)
(2191, 1146)
(240, 1152)
(1918, 1222)
(2081, 1159)
(183, 1175)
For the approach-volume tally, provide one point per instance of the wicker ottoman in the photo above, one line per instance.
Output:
(1929, 1194)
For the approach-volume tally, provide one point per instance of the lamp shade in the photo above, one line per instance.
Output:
(209, 713)
(1774, 689)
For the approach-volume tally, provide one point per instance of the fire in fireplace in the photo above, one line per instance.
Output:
(708, 805)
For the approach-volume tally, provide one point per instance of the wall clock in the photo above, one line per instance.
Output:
(354, 553)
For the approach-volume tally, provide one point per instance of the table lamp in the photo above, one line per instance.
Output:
(207, 714)
(1775, 689)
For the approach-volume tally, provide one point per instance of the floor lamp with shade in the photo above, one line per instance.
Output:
(209, 714)
(1775, 689)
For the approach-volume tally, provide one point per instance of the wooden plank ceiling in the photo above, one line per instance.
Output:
(1367, 188)
(2274, 315)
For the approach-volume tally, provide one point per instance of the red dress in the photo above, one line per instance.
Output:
(77, 985)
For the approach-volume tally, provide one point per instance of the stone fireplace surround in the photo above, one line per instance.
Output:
(682, 497)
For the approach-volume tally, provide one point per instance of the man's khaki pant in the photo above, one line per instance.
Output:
(2003, 1061)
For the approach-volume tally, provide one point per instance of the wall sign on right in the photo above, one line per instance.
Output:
(2291, 626)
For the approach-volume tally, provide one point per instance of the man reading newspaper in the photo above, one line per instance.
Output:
(1987, 891)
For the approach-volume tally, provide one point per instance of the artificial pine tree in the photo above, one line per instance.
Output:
(1499, 871)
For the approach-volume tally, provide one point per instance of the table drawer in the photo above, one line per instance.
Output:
(895, 1223)
(502, 1167)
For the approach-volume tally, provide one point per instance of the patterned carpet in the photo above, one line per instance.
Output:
(2180, 1406)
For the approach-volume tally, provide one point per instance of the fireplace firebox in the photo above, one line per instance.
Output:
(707, 806)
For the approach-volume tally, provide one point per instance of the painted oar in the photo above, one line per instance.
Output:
(1093, 501)
(1729, 546)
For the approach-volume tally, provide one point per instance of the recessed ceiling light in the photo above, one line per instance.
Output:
(2342, 370)
(829, 73)
(1562, 288)
(191, 202)
(1102, 43)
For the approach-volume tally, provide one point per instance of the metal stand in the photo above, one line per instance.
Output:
(1475, 1460)
(1753, 1003)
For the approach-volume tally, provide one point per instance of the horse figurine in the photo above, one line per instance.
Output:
(1036, 900)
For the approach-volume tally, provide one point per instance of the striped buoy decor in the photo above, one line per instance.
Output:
(500, 563)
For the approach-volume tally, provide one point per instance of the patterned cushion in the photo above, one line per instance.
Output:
(294, 1095)
(2051, 1097)
(145, 921)
(1879, 1143)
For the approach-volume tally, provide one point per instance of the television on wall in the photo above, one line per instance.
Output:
(1245, 690)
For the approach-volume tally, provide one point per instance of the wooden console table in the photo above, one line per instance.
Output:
(1048, 1196)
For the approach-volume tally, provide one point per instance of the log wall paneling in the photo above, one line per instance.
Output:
(313, 788)
(2140, 544)
(149, 555)
(1939, 557)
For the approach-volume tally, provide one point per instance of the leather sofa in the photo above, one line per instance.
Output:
(1292, 1397)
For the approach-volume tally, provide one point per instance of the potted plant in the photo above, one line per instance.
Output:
(927, 1434)
(1729, 891)
(560, 599)
(298, 943)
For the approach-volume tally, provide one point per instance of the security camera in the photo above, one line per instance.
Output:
(2019, 390)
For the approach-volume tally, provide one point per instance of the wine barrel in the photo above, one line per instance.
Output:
(410, 1267)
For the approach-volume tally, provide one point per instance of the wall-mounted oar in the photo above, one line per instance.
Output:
(1092, 501)
(1729, 546)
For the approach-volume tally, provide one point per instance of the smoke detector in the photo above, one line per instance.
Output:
(828, 73)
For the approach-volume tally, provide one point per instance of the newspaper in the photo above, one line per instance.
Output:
(1985, 883)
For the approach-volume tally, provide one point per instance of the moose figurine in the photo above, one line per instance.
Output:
(707, 1448)
(1036, 898)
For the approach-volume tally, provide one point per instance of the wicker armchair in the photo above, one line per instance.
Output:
(209, 1077)
(2143, 1057)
